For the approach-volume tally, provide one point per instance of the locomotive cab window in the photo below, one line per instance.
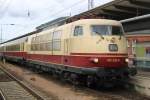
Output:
(78, 31)
(117, 30)
(106, 30)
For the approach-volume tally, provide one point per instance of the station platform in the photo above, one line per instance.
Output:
(141, 82)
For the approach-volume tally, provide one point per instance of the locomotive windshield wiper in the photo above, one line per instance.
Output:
(120, 37)
(99, 34)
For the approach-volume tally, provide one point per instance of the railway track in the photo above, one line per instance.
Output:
(14, 89)
(2, 96)
(59, 90)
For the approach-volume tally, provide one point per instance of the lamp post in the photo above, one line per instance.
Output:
(1, 39)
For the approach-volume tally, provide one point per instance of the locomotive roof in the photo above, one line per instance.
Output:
(98, 21)
(81, 21)
(56, 22)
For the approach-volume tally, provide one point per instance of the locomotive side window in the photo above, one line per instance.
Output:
(33, 40)
(57, 40)
(42, 38)
(46, 43)
(48, 46)
(41, 43)
(78, 31)
(57, 35)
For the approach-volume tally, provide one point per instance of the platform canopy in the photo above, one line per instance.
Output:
(117, 9)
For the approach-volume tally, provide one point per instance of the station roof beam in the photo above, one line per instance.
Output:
(118, 10)
(144, 3)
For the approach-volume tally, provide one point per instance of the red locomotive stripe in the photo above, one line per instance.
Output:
(79, 61)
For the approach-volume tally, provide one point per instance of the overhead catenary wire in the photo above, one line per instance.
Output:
(4, 6)
(19, 30)
(66, 8)
(55, 13)
(90, 4)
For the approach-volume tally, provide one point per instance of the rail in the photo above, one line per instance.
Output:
(31, 91)
(2, 96)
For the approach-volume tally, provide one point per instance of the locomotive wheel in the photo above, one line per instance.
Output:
(90, 81)
(66, 76)
(74, 79)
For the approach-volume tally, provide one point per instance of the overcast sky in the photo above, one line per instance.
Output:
(27, 14)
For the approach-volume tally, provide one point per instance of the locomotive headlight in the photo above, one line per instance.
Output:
(127, 60)
(95, 60)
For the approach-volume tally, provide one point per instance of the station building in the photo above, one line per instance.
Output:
(138, 35)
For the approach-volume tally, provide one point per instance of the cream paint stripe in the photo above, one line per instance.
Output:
(117, 55)
(98, 56)
(75, 55)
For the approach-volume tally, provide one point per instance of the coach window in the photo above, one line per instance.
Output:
(78, 31)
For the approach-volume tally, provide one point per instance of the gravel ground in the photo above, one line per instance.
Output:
(58, 90)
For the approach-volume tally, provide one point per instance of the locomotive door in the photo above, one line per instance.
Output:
(66, 46)
(76, 38)
(67, 38)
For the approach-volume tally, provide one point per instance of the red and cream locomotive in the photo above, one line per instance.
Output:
(87, 49)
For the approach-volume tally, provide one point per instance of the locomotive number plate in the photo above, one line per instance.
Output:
(113, 60)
